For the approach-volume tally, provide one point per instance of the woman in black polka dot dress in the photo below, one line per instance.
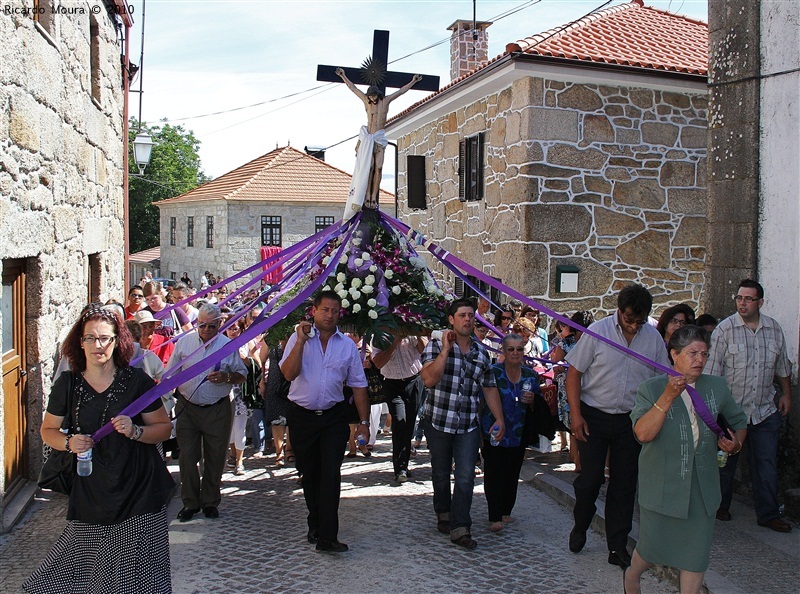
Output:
(117, 539)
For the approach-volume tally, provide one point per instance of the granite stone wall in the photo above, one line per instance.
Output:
(609, 179)
(61, 179)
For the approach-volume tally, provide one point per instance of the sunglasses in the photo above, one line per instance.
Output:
(137, 296)
(509, 318)
(208, 325)
(519, 349)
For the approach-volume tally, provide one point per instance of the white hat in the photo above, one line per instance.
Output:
(143, 316)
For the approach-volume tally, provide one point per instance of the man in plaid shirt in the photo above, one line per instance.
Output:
(748, 349)
(455, 369)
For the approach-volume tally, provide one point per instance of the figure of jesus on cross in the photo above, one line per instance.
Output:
(372, 140)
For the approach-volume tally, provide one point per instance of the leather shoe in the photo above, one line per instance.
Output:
(465, 541)
(577, 540)
(620, 558)
(312, 536)
(331, 546)
(443, 526)
(723, 515)
(186, 514)
(777, 525)
(211, 512)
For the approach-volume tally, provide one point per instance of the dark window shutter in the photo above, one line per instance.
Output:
(415, 174)
(462, 170)
(479, 161)
(458, 287)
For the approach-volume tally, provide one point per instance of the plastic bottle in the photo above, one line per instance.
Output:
(527, 386)
(361, 441)
(85, 463)
(493, 435)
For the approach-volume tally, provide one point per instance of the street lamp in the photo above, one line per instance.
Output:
(142, 147)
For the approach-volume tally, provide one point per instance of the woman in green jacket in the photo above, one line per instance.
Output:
(679, 489)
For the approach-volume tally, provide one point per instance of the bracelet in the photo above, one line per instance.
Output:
(66, 445)
(137, 433)
(655, 404)
(228, 377)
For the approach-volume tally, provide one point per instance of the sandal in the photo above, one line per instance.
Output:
(351, 455)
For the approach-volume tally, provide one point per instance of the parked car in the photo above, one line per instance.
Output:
(165, 282)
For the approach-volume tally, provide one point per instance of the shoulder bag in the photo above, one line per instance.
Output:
(58, 469)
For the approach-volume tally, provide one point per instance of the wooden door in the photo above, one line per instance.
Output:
(13, 357)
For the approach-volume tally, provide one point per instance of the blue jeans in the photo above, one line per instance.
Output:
(446, 448)
(762, 454)
(258, 429)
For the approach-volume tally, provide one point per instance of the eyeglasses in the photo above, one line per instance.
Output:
(696, 354)
(639, 322)
(678, 321)
(211, 325)
(745, 299)
(103, 341)
(519, 349)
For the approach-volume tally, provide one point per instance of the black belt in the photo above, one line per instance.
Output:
(317, 412)
(201, 405)
(404, 380)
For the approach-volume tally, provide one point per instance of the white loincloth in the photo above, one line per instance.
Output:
(361, 174)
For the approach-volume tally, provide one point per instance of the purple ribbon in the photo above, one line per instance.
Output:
(256, 329)
(452, 262)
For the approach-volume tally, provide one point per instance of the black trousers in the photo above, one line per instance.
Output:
(318, 443)
(501, 468)
(401, 396)
(614, 433)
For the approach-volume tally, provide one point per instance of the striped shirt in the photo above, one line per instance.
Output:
(453, 405)
(404, 361)
(749, 362)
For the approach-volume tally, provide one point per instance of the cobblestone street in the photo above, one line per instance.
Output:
(258, 544)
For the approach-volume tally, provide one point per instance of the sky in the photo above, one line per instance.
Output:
(256, 62)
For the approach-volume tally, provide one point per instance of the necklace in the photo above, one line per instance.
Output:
(83, 394)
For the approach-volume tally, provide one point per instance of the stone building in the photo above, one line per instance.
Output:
(277, 199)
(583, 147)
(63, 106)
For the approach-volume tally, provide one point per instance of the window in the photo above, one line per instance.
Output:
(462, 289)
(94, 279)
(209, 232)
(321, 222)
(190, 232)
(43, 15)
(415, 176)
(470, 168)
(271, 231)
(173, 230)
(94, 59)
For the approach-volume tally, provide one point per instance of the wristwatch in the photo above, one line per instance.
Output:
(365, 423)
(137, 433)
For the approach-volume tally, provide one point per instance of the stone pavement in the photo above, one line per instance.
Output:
(258, 544)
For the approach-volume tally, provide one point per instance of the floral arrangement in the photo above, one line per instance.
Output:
(386, 288)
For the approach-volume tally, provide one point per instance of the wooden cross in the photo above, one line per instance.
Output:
(380, 57)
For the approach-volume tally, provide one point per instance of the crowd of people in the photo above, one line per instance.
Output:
(474, 390)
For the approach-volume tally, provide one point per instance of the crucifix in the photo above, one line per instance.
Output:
(372, 140)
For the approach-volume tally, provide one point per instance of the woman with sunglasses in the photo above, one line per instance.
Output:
(672, 319)
(116, 539)
(504, 319)
(517, 385)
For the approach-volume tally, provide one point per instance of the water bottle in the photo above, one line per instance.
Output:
(85, 463)
(527, 386)
(493, 435)
(361, 441)
(722, 458)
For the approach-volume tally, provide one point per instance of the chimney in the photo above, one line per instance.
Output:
(315, 151)
(469, 48)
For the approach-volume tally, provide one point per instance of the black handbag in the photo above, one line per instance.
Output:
(374, 384)
(58, 469)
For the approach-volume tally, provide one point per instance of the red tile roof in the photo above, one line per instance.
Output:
(285, 174)
(630, 35)
(146, 256)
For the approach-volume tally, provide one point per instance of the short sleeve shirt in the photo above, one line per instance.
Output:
(453, 405)
(610, 376)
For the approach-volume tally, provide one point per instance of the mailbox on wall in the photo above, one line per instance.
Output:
(567, 279)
